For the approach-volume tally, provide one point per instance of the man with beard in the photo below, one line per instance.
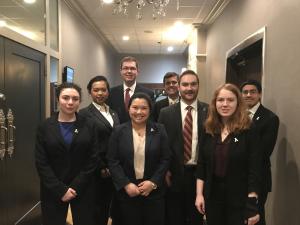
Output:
(119, 96)
(266, 124)
(183, 122)
(171, 87)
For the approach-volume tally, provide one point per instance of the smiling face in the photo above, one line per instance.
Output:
(171, 87)
(99, 92)
(129, 71)
(188, 88)
(251, 95)
(139, 111)
(69, 100)
(226, 103)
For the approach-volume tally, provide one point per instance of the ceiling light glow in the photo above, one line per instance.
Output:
(170, 48)
(125, 38)
(29, 1)
(178, 32)
(2, 23)
(108, 1)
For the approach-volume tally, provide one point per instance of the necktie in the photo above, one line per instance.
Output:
(188, 134)
(127, 98)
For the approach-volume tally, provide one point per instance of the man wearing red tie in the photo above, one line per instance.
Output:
(183, 122)
(119, 96)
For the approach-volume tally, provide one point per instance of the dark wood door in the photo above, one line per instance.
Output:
(24, 87)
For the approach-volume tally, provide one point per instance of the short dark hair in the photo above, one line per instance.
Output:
(190, 72)
(252, 82)
(96, 79)
(170, 74)
(143, 96)
(129, 59)
(68, 85)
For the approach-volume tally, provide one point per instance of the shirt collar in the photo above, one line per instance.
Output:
(132, 88)
(171, 101)
(183, 105)
(254, 108)
(101, 108)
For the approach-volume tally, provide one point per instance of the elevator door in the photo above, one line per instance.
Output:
(23, 86)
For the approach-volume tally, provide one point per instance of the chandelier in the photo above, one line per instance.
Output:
(158, 7)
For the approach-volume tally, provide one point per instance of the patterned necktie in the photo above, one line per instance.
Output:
(188, 134)
(127, 98)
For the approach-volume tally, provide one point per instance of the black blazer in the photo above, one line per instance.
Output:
(158, 106)
(116, 100)
(243, 166)
(121, 157)
(60, 167)
(171, 118)
(266, 123)
(103, 131)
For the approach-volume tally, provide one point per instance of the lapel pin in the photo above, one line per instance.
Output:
(257, 118)
(76, 131)
(236, 140)
(152, 130)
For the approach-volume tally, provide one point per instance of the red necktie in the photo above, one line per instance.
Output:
(127, 98)
(188, 134)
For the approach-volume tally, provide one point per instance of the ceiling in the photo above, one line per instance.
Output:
(147, 35)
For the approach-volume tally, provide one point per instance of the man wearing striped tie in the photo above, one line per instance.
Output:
(183, 122)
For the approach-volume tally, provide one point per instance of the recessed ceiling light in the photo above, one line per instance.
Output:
(2, 23)
(29, 1)
(170, 48)
(125, 38)
(108, 1)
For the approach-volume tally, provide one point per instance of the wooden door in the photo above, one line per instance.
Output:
(24, 87)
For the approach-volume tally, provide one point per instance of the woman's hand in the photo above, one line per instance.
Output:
(146, 187)
(168, 178)
(252, 220)
(105, 173)
(200, 204)
(69, 195)
(132, 190)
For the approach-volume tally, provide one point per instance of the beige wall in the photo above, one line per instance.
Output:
(84, 51)
(281, 89)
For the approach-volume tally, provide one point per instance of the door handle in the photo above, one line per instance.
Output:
(3, 137)
(10, 133)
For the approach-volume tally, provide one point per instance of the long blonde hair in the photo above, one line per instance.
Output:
(238, 121)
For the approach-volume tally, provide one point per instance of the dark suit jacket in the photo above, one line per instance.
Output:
(243, 167)
(158, 106)
(121, 157)
(103, 131)
(60, 167)
(116, 100)
(266, 123)
(171, 118)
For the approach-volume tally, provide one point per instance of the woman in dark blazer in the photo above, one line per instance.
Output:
(138, 160)
(105, 119)
(229, 162)
(66, 153)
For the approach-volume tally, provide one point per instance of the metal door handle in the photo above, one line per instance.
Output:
(10, 133)
(3, 137)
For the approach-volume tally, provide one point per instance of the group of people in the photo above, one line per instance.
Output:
(177, 161)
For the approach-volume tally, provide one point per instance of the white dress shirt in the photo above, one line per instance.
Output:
(132, 89)
(104, 110)
(253, 110)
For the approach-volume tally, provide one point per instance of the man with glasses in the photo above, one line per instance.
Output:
(266, 124)
(171, 88)
(120, 95)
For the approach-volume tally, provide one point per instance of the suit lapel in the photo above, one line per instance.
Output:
(259, 115)
(55, 127)
(99, 116)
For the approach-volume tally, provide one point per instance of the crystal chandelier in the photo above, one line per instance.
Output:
(158, 7)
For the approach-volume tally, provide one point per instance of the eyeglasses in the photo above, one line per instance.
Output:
(129, 68)
(251, 92)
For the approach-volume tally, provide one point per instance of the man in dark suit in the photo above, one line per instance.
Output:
(171, 88)
(266, 124)
(119, 95)
(180, 201)
(104, 119)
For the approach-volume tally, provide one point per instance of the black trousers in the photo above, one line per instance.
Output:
(180, 206)
(54, 211)
(142, 211)
(219, 211)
